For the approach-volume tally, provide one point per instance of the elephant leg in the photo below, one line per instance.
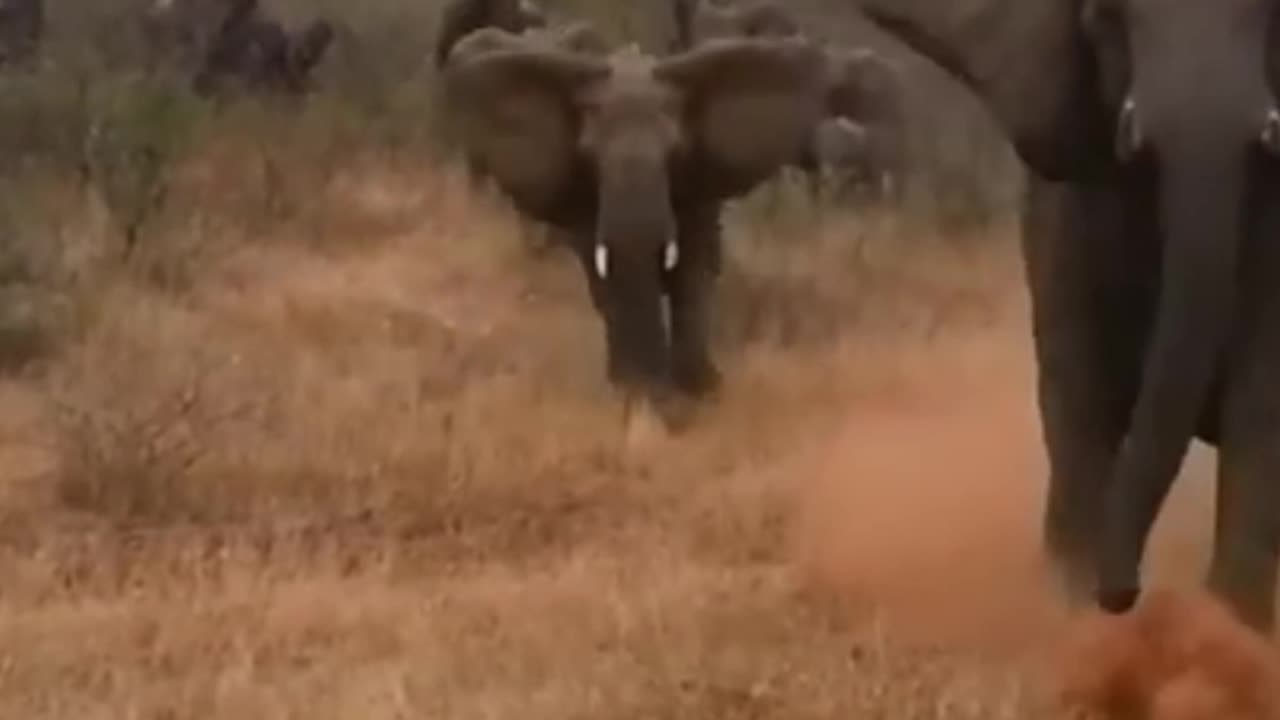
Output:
(690, 287)
(1080, 440)
(1086, 332)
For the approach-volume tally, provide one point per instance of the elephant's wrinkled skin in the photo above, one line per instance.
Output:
(1149, 128)
(633, 156)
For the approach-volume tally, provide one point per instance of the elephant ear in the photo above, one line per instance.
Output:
(1026, 59)
(751, 104)
(518, 120)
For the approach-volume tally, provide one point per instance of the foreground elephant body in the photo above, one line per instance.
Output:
(861, 90)
(633, 157)
(1149, 128)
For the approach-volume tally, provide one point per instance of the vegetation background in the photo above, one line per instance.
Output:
(294, 423)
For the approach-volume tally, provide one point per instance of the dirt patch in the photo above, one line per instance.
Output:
(1180, 656)
(927, 510)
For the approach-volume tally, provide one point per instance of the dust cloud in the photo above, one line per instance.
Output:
(926, 511)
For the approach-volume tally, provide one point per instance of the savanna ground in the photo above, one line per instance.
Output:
(297, 426)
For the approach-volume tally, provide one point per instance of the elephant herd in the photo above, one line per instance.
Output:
(215, 42)
(1149, 131)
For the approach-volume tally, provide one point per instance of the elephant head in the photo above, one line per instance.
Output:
(462, 17)
(1173, 99)
(618, 145)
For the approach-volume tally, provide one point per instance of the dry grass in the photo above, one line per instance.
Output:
(389, 482)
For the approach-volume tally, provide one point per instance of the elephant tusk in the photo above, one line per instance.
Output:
(671, 255)
(602, 261)
(1129, 139)
(1271, 132)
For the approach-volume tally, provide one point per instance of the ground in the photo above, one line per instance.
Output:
(385, 479)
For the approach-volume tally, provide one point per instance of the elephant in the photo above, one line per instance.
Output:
(1148, 130)
(840, 155)
(859, 85)
(259, 52)
(461, 17)
(633, 157)
(867, 88)
(179, 31)
(22, 25)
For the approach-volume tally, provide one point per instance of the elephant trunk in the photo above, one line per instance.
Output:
(635, 238)
(1202, 217)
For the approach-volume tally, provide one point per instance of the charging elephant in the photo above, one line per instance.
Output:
(633, 156)
(462, 17)
(859, 85)
(1150, 129)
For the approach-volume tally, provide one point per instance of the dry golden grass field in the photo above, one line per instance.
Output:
(384, 478)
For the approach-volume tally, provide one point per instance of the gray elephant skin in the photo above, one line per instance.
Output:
(1149, 129)
(633, 156)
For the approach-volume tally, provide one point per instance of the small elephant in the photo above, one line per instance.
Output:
(865, 87)
(841, 156)
(1150, 130)
(859, 85)
(258, 52)
(22, 25)
(634, 156)
(462, 17)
